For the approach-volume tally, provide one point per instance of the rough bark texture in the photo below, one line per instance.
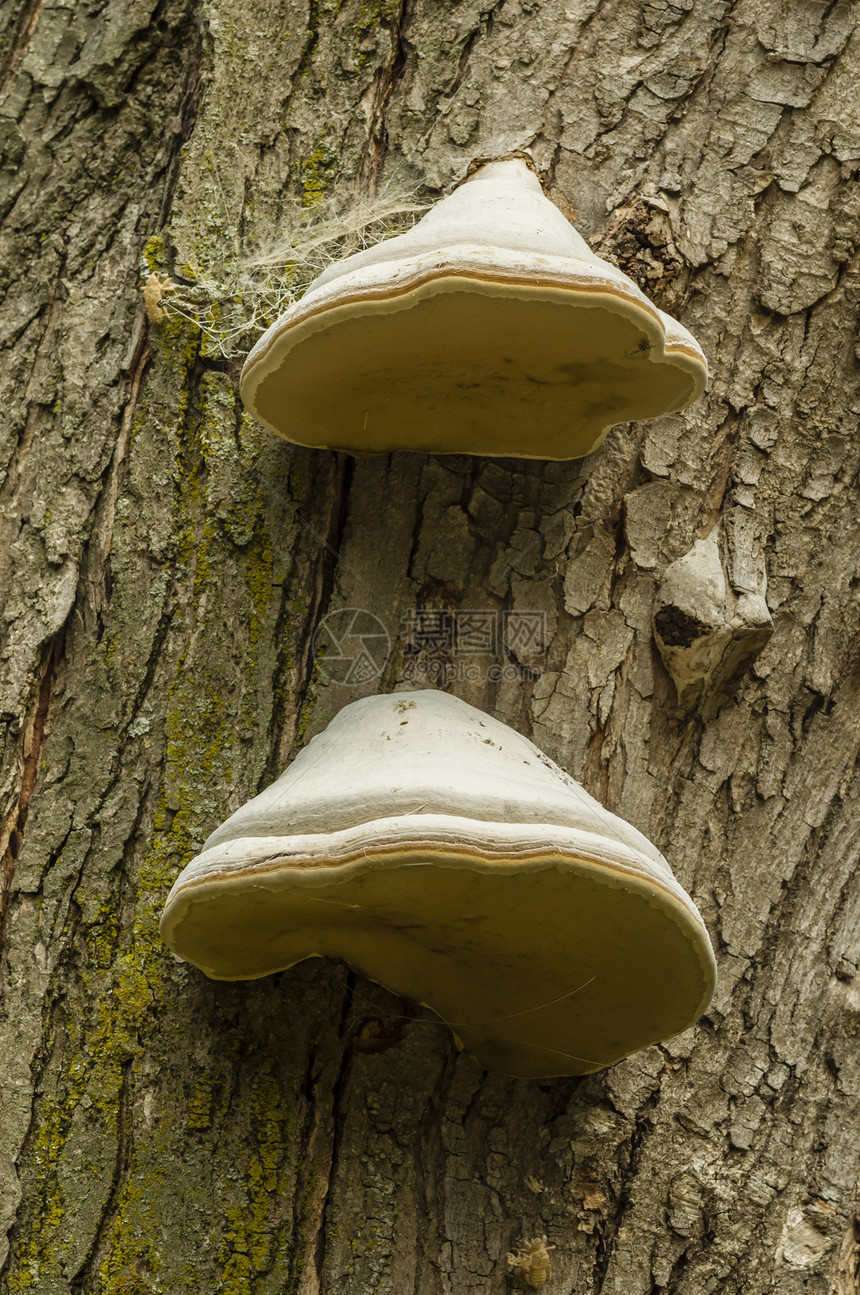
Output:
(166, 564)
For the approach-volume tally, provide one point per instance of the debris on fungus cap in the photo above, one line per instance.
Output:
(489, 328)
(441, 854)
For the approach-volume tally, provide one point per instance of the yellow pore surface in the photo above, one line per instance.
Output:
(541, 967)
(458, 365)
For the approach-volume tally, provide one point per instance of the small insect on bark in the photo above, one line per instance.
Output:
(153, 291)
(532, 1259)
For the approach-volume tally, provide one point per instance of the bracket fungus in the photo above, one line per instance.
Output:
(441, 854)
(491, 327)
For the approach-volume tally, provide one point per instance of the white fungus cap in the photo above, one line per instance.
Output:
(489, 328)
(440, 853)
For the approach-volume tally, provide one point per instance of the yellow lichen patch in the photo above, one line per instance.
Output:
(153, 255)
(44, 1247)
(133, 1262)
(249, 1241)
(373, 12)
(92, 1085)
(200, 1105)
(101, 936)
(315, 175)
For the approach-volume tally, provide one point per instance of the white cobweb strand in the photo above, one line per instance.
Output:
(262, 282)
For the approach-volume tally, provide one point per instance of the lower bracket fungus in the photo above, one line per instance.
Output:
(441, 854)
(490, 327)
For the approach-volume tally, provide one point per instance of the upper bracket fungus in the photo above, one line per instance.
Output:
(440, 853)
(491, 327)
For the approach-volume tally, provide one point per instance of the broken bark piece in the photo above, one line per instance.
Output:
(708, 634)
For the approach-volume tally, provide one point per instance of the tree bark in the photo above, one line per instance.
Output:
(167, 564)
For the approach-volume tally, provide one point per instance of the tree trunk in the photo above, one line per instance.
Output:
(168, 564)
